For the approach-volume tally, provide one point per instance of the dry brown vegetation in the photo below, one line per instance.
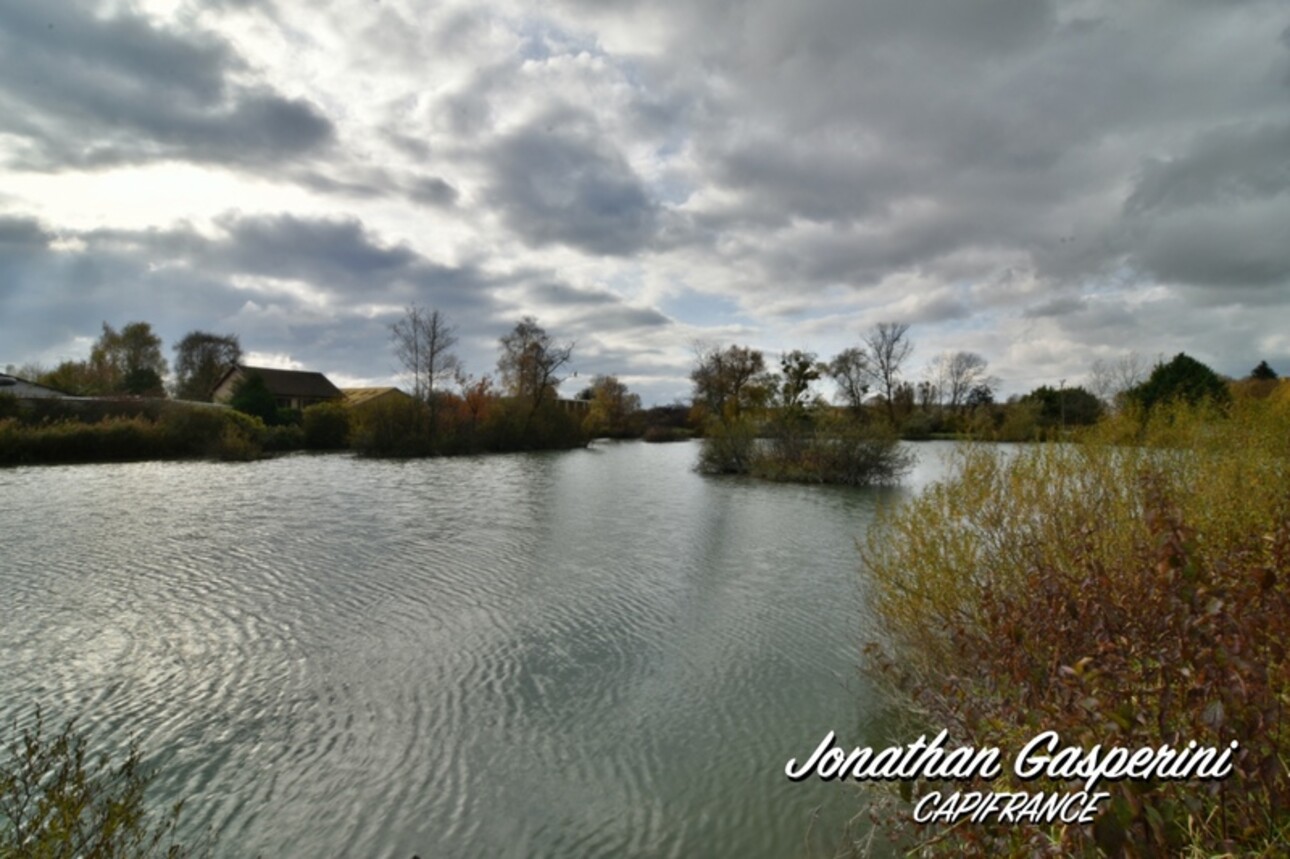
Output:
(1130, 589)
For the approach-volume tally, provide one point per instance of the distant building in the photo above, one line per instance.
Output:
(23, 390)
(362, 398)
(291, 389)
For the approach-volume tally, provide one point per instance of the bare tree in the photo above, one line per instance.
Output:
(959, 373)
(423, 340)
(887, 347)
(850, 370)
(1109, 379)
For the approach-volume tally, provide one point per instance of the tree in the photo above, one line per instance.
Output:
(1063, 407)
(253, 397)
(1110, 379)
(980, 395)
(1182, 378)
(118, 355)
(612, 406)
(959, 373)
(728, 381)
(423, 340)
(798, 370)
(201, 358)
(887, 348)
(1263, 372)
(530, 361)
(71, 377)
(850, 370)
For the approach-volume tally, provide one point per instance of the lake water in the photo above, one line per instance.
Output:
(594, 653)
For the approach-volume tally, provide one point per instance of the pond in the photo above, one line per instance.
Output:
(594, 653)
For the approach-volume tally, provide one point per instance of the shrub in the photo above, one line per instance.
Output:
(57, 800)
(192, 430)
(282, 438)
(728, 447)
(392, 428)
(1130, 595)
(661, 434)
(326, 426)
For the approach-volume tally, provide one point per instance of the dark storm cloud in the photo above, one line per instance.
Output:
(559, 180)
(950, 141)
(432, 191)
(1059, 306)
(83, 90)
(1240, 246)
(287, 284)
(1229, 164)
(22, 235)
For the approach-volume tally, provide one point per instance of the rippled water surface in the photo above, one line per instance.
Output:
(596, 653)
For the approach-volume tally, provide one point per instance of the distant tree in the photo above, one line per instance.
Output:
(887, 346)
(1108, 380)
(960, 372)
(143, 382)
(612, 407)
(798, 371)
(850, 370)
(1182, 378)
(201, 358)
(423, 341)
(1064, 407)
(728, 381)
(477, 398)
(29, 371)
(252, 396)
(531, 361)
(71, 377)
(1263, 372)
(980, 395)
(118, 355)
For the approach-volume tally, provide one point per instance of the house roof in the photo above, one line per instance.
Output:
(358, 396)
(290, 383)
(22, 387)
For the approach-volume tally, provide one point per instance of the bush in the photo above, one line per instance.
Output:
(728, 447)
(326, 426)
(392, 428)
(56, 800)
(662, 434)
(181, 431)
(283, 438)
(1128, 595)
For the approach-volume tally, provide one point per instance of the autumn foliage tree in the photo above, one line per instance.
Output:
(612, 408)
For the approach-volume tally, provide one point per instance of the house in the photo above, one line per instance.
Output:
(362, 398)
(24, 390)
(291, 389)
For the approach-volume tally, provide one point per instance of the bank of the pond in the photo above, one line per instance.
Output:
(1128, 591)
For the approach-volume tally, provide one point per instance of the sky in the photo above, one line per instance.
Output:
(1046, 184)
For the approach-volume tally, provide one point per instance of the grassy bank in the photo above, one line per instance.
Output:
(71, 431)
(1131, 589)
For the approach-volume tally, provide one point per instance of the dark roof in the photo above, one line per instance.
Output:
(292, 383)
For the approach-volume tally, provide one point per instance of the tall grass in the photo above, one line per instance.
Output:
(1131, 589)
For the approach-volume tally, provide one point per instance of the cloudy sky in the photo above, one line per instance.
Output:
(1046, 184)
